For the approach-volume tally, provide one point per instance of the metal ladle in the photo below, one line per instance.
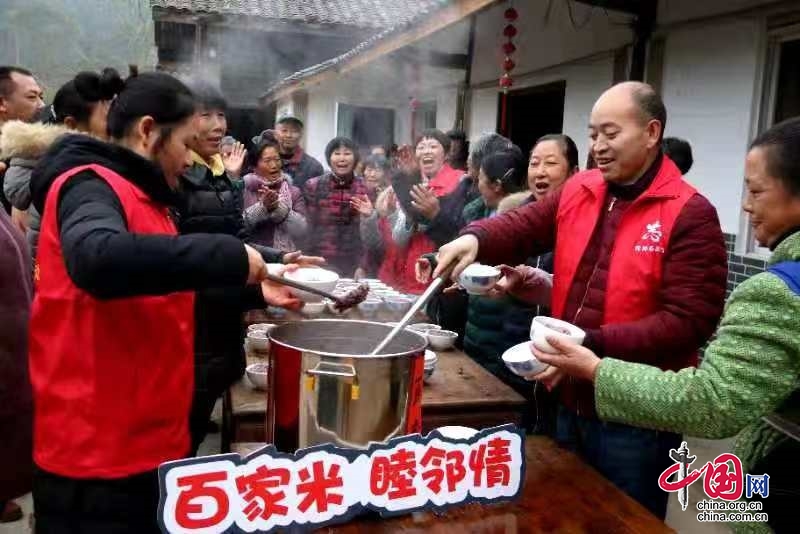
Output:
(341, 302)
(421, 301)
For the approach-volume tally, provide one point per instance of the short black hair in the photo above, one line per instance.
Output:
(153, 94)
(6, 83)
(651, 105)
(781, 144)
(457, 135)
(507, 168)
(679, 151)
(567, 145)
(433, 133)
(207, 97)
(77, 97)
(341, 142)
(268, 139)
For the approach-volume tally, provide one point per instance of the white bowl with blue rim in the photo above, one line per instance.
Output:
(543, 327)
(520, 360)
(478, 279)
(370, 306)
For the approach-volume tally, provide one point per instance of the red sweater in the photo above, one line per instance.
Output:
(690, 296)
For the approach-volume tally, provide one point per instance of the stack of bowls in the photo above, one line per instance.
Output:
(430, 364)
(257, 341)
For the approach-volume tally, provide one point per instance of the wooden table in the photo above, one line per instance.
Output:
(460, 392)
(561, 494)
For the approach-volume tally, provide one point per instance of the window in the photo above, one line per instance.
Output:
(425, 117)
(781, 92)
(365, 125)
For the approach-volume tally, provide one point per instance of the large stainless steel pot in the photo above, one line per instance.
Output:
(325, 388)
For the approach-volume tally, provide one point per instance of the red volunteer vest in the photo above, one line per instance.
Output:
(640, 244)
(112, 379)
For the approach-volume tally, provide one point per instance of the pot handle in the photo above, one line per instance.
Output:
(345, 370)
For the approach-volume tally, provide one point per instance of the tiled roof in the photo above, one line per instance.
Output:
(366, 45)
(362, 13)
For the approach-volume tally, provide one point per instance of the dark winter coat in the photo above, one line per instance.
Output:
(213, 204)
(16, 407)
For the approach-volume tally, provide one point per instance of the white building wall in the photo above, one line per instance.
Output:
(446, 104)
(586, 80)
(545, 39)
(320, 124)
(709, 83)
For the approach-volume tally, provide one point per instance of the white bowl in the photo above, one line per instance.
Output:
(543, 327)
(313, 308)
(456, 432)
(397, 304)
(441, 339)
(430, 364)
(261, 327)
(424, 327)
(478, 279)
(258, 340)
(257, 375)
(520, 360)
(370, 307)
(312, 276)
(430, 358)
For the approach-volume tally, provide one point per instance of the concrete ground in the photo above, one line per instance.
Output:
(682, 522)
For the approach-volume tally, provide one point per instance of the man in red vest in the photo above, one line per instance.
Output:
(640, 265)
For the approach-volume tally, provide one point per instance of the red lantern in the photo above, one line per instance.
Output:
(508, 64)
(509, 48)
(511, 14)
(506, 81)
(414, 104)
(510, 31)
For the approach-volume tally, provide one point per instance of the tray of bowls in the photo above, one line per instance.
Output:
(382, 303)
(438, 340)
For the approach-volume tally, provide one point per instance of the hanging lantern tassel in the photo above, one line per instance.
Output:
(509, 32)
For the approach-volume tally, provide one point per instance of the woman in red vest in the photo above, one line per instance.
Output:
(111, 355)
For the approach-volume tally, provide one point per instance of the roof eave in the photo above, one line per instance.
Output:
(428, 24)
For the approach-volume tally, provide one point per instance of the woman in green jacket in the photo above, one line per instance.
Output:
(749, 379)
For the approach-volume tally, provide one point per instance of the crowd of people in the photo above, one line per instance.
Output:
(136, 232)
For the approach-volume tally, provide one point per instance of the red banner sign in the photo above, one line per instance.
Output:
(322, 485)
